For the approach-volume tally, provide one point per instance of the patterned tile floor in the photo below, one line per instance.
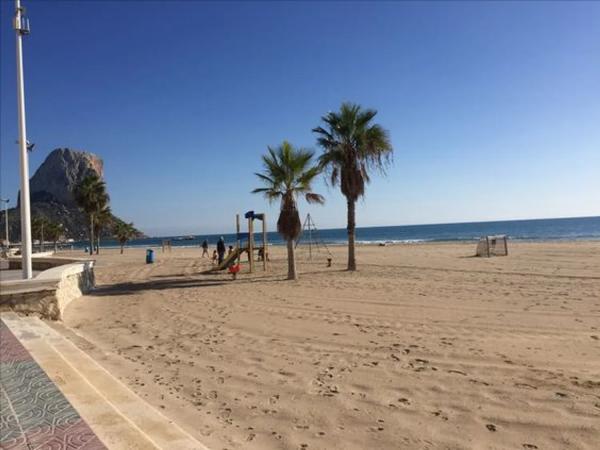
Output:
(34, 414)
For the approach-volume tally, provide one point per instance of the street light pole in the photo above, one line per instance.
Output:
(5, 201)
(21, 27)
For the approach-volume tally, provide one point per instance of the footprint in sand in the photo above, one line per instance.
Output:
(276, 435)
(525, 386)
(474, 381)
(439, 413)
(530, 446)
(491, 427)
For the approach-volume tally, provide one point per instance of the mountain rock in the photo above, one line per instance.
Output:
(52, 192)
(55, 180)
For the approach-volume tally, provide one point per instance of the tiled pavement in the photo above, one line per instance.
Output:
(34, 414)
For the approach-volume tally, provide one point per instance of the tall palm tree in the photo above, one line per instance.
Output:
(124, 232)
(90, 195)
(353, 146)
(39, 225)
(54, 233)
(288, 172)
(104, 219)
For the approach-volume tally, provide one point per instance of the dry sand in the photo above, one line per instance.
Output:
(423, 347)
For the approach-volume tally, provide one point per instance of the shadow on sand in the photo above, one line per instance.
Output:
(152, 285)
(186, 281)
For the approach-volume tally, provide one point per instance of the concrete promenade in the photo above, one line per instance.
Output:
(54, 396)
(33, 411)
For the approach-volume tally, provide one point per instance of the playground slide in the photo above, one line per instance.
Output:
(228, 261)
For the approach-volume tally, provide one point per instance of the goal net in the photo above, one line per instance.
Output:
(492, 246)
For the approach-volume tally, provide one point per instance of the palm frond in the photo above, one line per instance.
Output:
(311, 197)
(352, 146)
(288, 171)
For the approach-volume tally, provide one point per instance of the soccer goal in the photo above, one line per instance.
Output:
(492, 246)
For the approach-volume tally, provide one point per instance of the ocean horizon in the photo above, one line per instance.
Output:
(560, 229)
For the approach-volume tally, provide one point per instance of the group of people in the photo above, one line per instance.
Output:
(218, 255)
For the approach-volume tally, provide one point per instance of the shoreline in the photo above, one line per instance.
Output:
(358, 244)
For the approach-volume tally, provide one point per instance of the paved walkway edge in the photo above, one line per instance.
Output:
(119, 417)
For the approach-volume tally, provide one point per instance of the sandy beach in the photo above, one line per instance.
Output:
(425, 347)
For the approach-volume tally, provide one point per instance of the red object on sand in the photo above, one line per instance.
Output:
(234, 269)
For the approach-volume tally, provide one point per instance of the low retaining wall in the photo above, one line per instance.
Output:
(42, 261)
(51, 291)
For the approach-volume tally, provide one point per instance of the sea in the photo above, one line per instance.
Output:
(580, 228)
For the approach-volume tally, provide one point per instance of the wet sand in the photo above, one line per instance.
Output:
(423, 347)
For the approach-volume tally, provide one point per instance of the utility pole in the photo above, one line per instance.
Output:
(21, 26)
(5, 201)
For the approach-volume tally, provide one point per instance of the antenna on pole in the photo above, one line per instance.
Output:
(21, 23)
(21, 26)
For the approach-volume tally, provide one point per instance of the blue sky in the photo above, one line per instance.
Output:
(493, 108)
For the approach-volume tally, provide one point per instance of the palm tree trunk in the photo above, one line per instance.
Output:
(91, 234)
(122, 245)
(98, 242)
(292, 275)
(351, 234)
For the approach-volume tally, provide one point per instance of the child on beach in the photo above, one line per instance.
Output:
(214, 257)
(204, 248)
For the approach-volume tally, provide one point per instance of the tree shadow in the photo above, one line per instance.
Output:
(152, 285)
(187, 281)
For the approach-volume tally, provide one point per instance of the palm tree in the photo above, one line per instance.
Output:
(54, 233)
(104, 220)
(90, 195)
(353, 146)
(123, 232)
(288, 172)
(39, 224)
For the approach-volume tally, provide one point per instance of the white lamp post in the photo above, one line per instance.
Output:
(5, 201)
(21, 26)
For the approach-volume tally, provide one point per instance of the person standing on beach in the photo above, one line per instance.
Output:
(205, 248)
(221, 249)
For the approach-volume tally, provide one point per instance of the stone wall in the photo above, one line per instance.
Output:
(42, 302)
(42, 261)
(50, 292)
